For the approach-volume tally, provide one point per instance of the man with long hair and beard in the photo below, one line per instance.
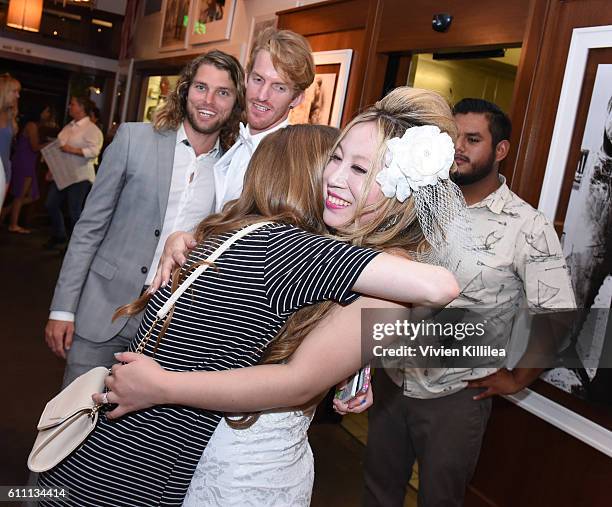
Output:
(155, 178)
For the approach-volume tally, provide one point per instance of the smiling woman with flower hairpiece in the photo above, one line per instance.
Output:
(269, 462)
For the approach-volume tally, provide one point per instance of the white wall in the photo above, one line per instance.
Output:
(147, 37)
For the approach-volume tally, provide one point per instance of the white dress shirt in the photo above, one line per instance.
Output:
(192, 192)
(86, 135)
(230, 169)
(191, 198)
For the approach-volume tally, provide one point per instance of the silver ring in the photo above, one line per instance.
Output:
(105, 398)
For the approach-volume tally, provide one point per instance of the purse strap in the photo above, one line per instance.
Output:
(165, 309)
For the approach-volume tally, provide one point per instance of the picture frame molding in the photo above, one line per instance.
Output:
(177, 46)
(342, 57)
(255, 20)
(197, 39)
(583, 40)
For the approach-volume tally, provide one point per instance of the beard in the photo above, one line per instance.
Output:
(208, 129)
(477, 172)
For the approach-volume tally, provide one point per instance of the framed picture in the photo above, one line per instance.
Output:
(212, 20)
(576, 196)
(324, 99)
(175, 24)
(258, 24)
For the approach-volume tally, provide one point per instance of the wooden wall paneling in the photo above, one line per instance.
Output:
(340, 24)
(541, 110)
(353, 39)
(405, 28)
(524, 460)
(403, 69)
(336, 40)
(325, 17)
(528, 463)
(373, 75)
(396, 73)
(374, 79)
(523, 84)
(599, 413)
(407, 24)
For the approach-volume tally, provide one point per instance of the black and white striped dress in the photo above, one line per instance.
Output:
(224, 320)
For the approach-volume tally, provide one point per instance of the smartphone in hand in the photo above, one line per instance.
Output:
(358, 384)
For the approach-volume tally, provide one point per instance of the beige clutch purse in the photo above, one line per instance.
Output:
(67, 420)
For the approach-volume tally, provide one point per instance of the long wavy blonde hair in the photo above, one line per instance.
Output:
(174, 110)
(8, 106)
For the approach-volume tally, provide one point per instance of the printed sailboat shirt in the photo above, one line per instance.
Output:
(517, 263)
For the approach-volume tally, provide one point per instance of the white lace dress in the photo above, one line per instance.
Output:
(269, 464)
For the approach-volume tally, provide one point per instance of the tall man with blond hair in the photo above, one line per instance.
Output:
(154, 179)
(279, 70)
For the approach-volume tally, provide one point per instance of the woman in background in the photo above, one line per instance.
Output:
(82, 140)
(24, 184)
(2, 183)
(9, 96)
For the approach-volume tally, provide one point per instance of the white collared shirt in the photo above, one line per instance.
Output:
(83, 134)
(230, 170)
(191, 198)
(192, 192)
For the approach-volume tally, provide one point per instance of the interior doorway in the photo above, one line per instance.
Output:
(488, 75)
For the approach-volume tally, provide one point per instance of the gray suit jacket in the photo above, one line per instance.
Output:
(113, 243)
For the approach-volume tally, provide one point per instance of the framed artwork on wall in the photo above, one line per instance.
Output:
(259, 24)
(324, 99)
(577, 196)
(175, 24)
(212, 20)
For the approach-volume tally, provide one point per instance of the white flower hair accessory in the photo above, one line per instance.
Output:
(422, 156)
